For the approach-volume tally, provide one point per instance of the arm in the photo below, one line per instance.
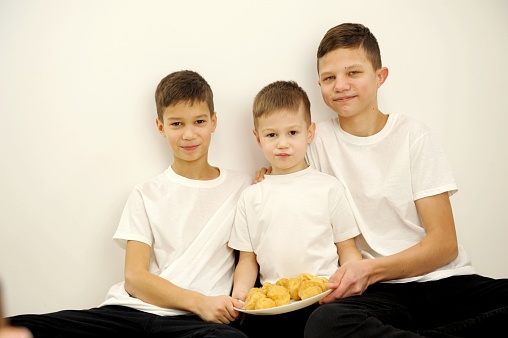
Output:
(246, 272)
(348, 251)
(142, 284)
(436, 249)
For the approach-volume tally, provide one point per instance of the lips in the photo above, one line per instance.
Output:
(189, 148)
(343, 98)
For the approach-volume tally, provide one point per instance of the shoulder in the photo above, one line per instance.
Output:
(236, 176)
(326, 127)
(325, 181)
(153, 183)
(410, 125)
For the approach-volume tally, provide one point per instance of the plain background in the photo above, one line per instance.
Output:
(77, 114)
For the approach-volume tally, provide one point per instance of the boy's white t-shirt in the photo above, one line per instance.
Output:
(291, 222)
(169, 212)
(384, 174)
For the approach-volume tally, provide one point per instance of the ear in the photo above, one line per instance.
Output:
(311, 132)
(160, 126)
(382, 74)
(257, 136)
(214, 121)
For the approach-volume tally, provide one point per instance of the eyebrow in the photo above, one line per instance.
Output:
(292, 127)
(202, 116)
(356, 65)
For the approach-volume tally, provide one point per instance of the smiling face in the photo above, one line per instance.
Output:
(188, 128)
(283, 136)
(349, 82)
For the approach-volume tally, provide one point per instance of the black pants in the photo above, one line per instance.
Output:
(459, 306)
(119, 321)
(290, 324)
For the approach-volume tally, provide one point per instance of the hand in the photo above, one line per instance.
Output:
(350, 279)
(260, 174)
(14, 332)
(219, 309)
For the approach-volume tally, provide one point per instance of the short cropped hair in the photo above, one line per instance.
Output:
(182, 86)
(280, 95)
(351, 35)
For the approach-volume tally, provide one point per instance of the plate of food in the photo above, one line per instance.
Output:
(286, 295)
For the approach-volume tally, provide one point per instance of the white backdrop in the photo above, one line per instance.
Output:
(77, 114)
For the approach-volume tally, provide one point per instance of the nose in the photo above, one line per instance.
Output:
(282, 143)
(188, 133)
(341, 84)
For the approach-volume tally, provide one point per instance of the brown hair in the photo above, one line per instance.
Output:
(351, 35)
(280, 95)
(182, 86)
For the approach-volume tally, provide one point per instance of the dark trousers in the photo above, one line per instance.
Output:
(119, 321)
(459, 306)
(290, 324)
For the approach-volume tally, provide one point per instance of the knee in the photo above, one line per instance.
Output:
(320, 321)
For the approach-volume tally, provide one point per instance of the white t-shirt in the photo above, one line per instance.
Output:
(385, 173)
(292, 222)
(172, 214)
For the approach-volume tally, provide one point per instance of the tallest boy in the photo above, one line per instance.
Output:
(416, 278)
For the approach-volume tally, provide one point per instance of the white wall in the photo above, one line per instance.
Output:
(77, 115)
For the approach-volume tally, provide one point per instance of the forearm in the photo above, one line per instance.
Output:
(158, 291)
(348, 251)
(246, 272)
(424, 257)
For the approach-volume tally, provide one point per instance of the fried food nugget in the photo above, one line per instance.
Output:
(293, 287)
(252, 297)
(266, 286)
(264, 303)
(283, 282)
(279, 294)
(309, 288)
(322, 281)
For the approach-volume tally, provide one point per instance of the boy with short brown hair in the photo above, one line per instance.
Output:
(175, 228)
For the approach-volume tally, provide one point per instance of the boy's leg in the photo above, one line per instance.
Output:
(190, 326)
(467, 306)
(107, 321)
(290, 324)
(382, 311)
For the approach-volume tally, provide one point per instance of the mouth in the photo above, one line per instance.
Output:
(283, 155)
(344, 98)
(190, 148)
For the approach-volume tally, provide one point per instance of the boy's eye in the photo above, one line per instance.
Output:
(293, 132)
(270, 135)
(355, 72)
(200, 121)
(329, 78)
(176, 124)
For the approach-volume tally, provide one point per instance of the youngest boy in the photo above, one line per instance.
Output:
(298, 220)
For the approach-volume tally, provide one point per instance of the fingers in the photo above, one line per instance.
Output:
(260, 174)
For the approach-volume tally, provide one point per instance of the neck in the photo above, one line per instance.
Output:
(364, 125)
(196, 171)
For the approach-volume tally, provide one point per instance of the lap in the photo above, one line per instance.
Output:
(112, 321)
(459, 301)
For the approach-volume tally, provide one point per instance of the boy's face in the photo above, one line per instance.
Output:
(283, 137)
(188, 130)
(349, 83)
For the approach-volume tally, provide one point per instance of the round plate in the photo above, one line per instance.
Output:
(292, 306)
